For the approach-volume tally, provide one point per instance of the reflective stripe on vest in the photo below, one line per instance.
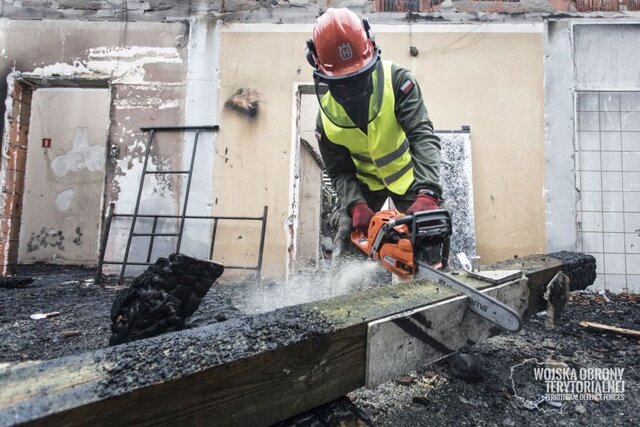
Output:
(381, 156)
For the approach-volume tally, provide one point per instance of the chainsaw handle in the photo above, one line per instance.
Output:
(407, 219)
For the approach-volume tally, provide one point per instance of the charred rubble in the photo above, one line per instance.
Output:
(162, 298)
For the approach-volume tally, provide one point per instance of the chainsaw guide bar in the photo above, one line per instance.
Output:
(483, 305)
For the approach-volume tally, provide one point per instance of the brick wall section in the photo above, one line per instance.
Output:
(632, 5)
(13, 188)
(597, 5)
(422, 6)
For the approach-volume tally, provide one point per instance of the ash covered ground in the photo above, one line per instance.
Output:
(84, 321)
(436, 396)
(432, 396)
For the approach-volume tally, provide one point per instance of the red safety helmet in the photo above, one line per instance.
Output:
(344, 55)
(343, 46)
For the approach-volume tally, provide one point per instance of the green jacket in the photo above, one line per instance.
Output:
(424, 146)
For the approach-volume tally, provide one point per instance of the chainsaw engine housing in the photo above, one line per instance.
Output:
(399, 240)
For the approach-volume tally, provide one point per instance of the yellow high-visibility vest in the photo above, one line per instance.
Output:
(382, 155)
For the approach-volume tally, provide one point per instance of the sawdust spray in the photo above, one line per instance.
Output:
(329, 280)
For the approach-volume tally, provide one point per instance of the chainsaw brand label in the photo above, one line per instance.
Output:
(390, 260)
(478, 304)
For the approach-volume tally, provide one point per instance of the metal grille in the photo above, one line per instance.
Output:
(179, 220)
(608, 181)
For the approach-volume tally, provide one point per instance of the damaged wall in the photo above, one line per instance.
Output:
(158, 10)
(144, 65)
(487, 76)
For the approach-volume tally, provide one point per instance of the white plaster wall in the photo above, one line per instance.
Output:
(201, 109)
(606, 56)
(64, 183)
(560, 184)
(145, 65)
(608, 150)
(592, 84)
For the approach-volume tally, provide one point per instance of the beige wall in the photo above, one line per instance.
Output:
(255, 169)
(492, 81)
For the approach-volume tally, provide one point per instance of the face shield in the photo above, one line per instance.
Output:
(358, 98)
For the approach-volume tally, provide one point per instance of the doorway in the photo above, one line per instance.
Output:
(65, 176)
(312, 195)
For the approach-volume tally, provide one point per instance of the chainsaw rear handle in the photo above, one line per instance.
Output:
(424, 216)
(436, 222)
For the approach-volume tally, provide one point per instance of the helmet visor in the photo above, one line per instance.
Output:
(351, 102)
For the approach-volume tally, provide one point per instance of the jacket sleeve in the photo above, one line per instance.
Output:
(340, 169)
(412, 116)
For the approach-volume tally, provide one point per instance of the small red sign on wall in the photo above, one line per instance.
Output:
(46, 142)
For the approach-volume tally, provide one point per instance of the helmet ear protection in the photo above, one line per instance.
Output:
(312, 59)
(367, 29)
(311, 54)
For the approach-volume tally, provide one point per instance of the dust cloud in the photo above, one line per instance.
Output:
(329, 280)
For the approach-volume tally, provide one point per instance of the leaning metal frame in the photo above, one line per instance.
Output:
(135, 215)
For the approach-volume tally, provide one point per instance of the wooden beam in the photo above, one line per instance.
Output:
(252, 370)
(403, 342)
(600, 327)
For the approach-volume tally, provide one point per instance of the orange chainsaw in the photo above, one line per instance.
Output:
(417, 246)
(398, 241)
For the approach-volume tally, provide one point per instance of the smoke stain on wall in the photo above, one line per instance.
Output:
(46, 238)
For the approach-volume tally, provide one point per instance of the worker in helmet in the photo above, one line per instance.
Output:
(373, 130)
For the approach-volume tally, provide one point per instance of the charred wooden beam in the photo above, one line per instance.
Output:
(251, 370)
(540, 270)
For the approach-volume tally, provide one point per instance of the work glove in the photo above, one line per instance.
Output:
(423, 202)
(361, 216)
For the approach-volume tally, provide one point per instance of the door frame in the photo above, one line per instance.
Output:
(29, 83)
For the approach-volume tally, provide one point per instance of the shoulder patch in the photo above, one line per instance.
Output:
(407, 86)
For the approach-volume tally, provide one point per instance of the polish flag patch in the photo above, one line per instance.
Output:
(407, 86)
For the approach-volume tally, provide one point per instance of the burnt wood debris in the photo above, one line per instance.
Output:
(162, 298)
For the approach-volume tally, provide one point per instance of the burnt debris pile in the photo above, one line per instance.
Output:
(579, 267)
(162, 298)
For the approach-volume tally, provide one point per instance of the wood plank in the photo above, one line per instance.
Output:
(252, 370)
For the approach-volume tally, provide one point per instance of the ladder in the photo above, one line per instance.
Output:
(182, 217)
(145, 172)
